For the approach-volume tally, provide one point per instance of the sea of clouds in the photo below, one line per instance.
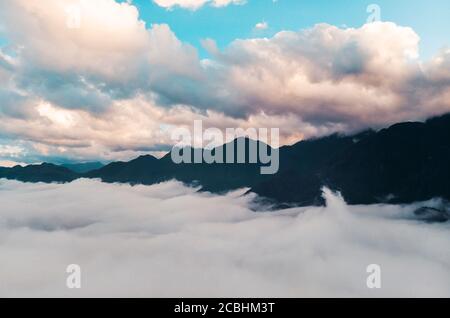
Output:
(167, 240)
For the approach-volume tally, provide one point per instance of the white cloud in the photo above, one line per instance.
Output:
(195, 4)
(109, 37)
(111, 54)
(168, 241)
(331, 78)
(261, 26)
(362, 77)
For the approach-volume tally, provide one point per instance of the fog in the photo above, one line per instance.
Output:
(167, 240)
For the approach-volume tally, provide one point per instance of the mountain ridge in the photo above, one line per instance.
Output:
(403, 163)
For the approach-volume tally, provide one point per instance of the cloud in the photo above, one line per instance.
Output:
(109, 55)
(261, 26)
(195, 4)
(138, 126)
(352, 78)
(167, 240)
(91, 48)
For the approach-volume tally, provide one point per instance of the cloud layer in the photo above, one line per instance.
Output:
(195, 4)
(89, 79)
(168, 241)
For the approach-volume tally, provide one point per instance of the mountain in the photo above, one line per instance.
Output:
(45, 172)
(211, 177)
(300, 180)
(404, 163)
(83, 167)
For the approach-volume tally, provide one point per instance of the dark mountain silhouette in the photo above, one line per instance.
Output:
(211, 177)
(83, 167)
(45, 172)
(404, 163)
(301, 175)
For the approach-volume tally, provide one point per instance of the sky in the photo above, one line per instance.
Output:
(110, 80)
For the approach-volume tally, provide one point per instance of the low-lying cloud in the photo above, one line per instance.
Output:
(167, 240)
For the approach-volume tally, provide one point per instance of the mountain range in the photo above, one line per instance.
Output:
(83, 167)
(407, 162)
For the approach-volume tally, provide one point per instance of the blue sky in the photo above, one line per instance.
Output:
(430, 19)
